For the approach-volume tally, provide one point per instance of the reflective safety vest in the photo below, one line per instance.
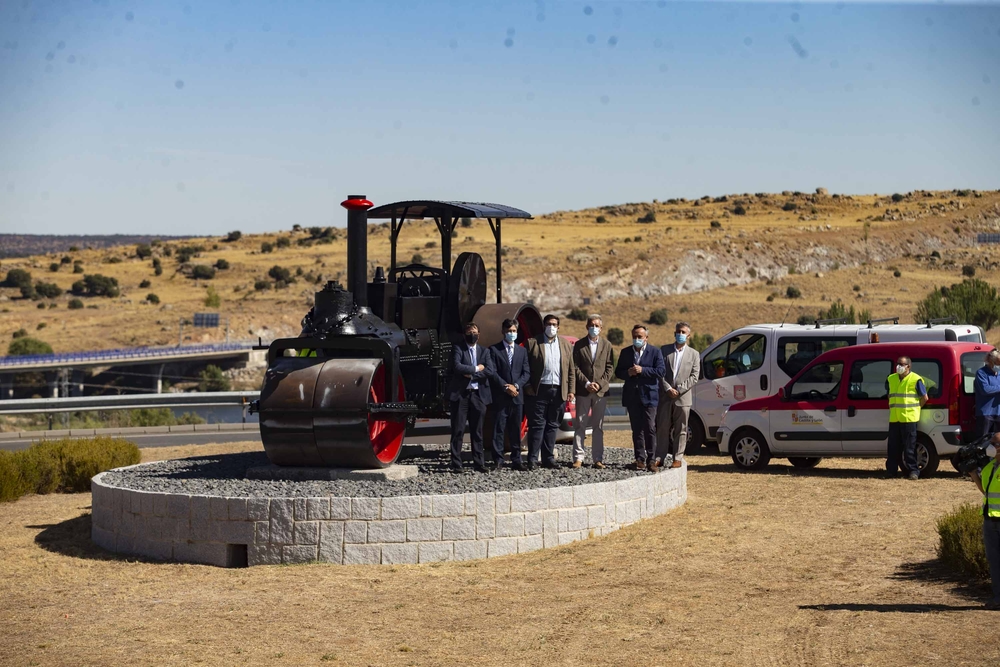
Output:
(991, 503)
(904, 402)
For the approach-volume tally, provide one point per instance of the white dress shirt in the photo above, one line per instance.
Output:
(553, 357)
(593, 348)
(676, 363)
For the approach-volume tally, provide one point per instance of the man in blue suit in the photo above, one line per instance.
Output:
(641, 367)
(469, 393)
(512, 372)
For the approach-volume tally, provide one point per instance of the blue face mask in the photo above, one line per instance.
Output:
(680, 338)
(510, 336)
(594, 331)
(637, 342)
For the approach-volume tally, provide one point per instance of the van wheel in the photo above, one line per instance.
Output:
(927, 456)
(750, 450)
(805, 461)
(696, 436)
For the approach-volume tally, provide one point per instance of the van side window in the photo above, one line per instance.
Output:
(795, 353)
(930, 371)
(821, 382)
(868, 380)
(739, 354)
(971, 363)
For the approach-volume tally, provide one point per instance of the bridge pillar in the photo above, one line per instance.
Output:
(75, 382)
(52, 383)
(158, 379)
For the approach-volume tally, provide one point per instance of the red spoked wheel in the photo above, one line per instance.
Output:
(524, 427)
(386, 435)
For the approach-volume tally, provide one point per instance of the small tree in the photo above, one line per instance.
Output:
(143, 251)
(739, 209)
(969, 271)
(221, 264)
(972, 301)
(650, 217)
(658, 316)
(77, 267)
(616, 336)
(896, 198)
(96, 285)
(54, 267)
(48, 290)
(212, 379)
(152, 298)
(212, 299)
(280, 273)
(144, 284)
(233, 236)
(75, 304)
(417, 258)
(578, 314)
(262, 285)
(202, 272)
(793, 292)
(17, 278)
(284, 242)
(789, 206)
(27, 345)
(266, 247)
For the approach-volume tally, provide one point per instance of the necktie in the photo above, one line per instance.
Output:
(510, 355)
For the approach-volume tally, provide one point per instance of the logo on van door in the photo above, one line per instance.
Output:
(740, 392)
(805, 419)
(720, 391)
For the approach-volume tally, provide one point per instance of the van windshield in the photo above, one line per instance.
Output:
(971, 362)
(795, 353)
(821, 382)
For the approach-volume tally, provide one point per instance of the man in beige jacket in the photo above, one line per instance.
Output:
(550, 359)
(593, 357)
(683, 370)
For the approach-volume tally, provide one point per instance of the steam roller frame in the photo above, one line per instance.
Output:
(336, 410)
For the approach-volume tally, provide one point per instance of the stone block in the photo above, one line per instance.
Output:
(365, 509)
(525, 500)
(124, 544)
(182, 530)
(423, 530)
(399, 554)
(460, 528)
(100, 517)
(433, 552)
(426, 506)
(146, 504)
(201, 509)
(585, 495)
(135, 502)
(126, 525)
(99, 495)
(105, 539)
(503, 502)
(261, 532)
(220, 508)
(340, 509)
(298, 554)
(448, 505)
(572, 519)
(530, 543)
(162, 550)
(561, 497)
(510, 525)
(362, 554)
(301, 509)
(159, 504)
(401, 507)
(355, 532)
(117, 500)
(200, 531)
(387, 531)
(317, 509)
(470, 503)
(485, 524)
(306, 532)
(595, 516)
(502, 546)
(263, 555)
(178, 506)
(331, 541)
(238, 509)
(470, 549)
(282, 521)
(257, 509)
(571, 536)
(533, 523)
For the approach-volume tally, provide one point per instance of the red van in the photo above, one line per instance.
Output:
(838, 405)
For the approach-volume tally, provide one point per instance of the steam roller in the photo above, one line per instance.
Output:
(373, 356)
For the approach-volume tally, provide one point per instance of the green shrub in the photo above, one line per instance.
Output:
(233, 236)
(793, 292)
(212, 379)
(789, 206)
(616, 336)
(212, 298)
(648, 218)
(969, 271)
(897, 198)
(262, 285)
(600, 220)
(284, 242)
(417, 259)
(221, 264)
(658, 316)
(143, 251)
(578, 314)
(66, 259)
(144, 284)
(739, 209)
(17, 278)
(202, 272)
(280, 273)
(972, 301)
(20, 333)
(700, 341)
(715, 224)
(961, 541)
(96, 285)
(153, 298)
(54, 267)
(25, 345)
(48, 290)
(266, 247)
(62, 465)
(77, 268)
(28, 292)
(897, 274)
(75, 304)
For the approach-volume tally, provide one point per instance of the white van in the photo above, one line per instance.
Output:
(754, 361)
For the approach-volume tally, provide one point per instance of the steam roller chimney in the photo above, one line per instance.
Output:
(357, 247)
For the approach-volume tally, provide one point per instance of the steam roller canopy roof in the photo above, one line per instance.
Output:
(440, 209)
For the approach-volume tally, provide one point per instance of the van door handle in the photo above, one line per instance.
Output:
(851, 411)
(763, 383)
(830, 409)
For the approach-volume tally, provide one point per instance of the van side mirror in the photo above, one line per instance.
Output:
(781, 393)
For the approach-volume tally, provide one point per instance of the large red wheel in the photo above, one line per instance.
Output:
(386, 435)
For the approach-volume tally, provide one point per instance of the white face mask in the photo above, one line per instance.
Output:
(900, 369)
(550, 331)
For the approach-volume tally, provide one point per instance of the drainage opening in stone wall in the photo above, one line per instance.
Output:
(236, 555)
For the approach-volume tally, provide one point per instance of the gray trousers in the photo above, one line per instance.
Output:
(671, 428)
(991, 540)
(596, 405)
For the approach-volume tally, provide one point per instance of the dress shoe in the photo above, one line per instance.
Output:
(479, 468)
(518, 466)
(529, 466)
(676, 464)
(577, 464)
(652, 466)
(458, 470)
(914, 475)
(639, 465)
(550, 465)
(599, 465)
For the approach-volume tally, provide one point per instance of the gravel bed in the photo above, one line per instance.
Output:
(223, 475)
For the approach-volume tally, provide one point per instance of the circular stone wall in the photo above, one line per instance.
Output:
(183, 511)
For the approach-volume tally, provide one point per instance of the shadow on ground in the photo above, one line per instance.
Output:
(819, 471)
(72, 538)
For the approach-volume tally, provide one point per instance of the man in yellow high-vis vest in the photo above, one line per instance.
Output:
(988, 481)
(907, 394)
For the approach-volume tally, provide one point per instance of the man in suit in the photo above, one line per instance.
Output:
(594, 360)
(683, 368)
(469, 393)
(511, 374)
(641, 367)
(550, 359)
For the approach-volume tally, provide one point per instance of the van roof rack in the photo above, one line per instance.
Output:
(951, 319)
(833, 320)
(883, 320)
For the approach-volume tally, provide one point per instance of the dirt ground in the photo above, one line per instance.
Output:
(831, 566)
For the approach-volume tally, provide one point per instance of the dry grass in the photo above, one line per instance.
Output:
(831, 566)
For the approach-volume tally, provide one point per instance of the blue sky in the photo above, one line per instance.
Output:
(201, 117)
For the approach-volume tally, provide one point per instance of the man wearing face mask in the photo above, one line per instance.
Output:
(683, 368)
(907, 394)
(510, 362)
(641, 367)
(469, 393)
(550, 359)
(987, 391)
(593, 358)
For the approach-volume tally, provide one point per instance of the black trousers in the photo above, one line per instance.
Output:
(902, 447)
(545, 411)
(642, 419)
(468, 408)
(507, 425)
(987, 426)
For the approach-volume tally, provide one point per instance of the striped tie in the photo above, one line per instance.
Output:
(510, 355)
